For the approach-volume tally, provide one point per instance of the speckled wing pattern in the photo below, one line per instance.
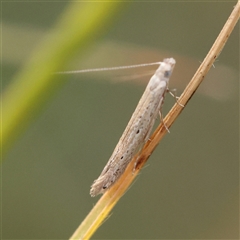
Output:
(138, 129)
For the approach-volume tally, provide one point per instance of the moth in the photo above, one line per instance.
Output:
(138, 129)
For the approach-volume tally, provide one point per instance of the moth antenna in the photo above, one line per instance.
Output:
(108, 68)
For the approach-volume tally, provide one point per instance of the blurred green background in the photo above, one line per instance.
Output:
(190, 188)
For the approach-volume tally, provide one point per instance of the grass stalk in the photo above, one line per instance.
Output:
(105, 204)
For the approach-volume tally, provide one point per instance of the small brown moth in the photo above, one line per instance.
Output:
(138, 129)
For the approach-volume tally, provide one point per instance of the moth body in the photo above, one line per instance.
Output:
(138, 129)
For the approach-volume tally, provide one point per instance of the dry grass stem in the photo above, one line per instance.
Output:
(110, 198)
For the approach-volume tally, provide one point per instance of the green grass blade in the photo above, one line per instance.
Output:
(35, 84)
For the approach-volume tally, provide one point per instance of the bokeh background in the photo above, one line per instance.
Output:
(190, 186)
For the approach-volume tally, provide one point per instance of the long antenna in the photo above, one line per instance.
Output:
(108, 68)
